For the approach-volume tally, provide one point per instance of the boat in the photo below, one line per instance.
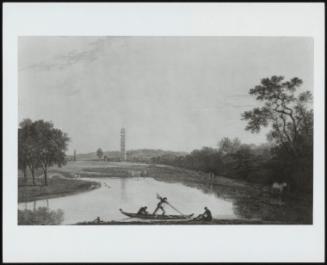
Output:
(157, 216)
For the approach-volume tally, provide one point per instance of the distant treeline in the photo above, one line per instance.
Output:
(257, 164)
(288, 155)
(139, 155)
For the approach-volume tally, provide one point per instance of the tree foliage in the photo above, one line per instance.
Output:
(244, 162)
(99, 153)
(40, 145)
(228, 146)
(288, 111)
(285, 110)
(28, 156)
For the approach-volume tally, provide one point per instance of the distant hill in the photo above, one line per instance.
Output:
(139, 155)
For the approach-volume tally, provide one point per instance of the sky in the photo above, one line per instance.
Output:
(170, 93)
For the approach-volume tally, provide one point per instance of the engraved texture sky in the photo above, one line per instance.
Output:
(172, 93)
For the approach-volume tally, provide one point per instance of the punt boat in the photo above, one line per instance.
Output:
(157, 216)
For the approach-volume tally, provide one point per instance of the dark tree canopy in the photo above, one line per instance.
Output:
(28, 156)
(285, 109)
(51, 145)
(288, 110)
(228, 146)
(40, 145)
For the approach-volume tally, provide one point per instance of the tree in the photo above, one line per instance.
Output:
(51, 146)
(27, 153)
(284, 110)
(243, 161)
(22, 154)
(41, 146)
(99, 153)
(289, 113)
(228, 146)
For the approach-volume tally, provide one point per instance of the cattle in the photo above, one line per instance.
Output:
(278, 187)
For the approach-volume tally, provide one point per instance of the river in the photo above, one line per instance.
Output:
(130, 194)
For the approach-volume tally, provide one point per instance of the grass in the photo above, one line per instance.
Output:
(57, 187)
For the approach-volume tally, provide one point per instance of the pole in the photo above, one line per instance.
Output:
(158, 196)
(175, 208)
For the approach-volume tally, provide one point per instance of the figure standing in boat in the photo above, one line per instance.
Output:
(161, 203)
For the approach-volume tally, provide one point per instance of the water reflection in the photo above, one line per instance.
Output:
(132, 193)
(253, 203)
(123, 189)
(40, 216)
(41, 203)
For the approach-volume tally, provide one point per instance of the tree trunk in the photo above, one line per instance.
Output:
(45, 171)
(33, 175)
(24, 175)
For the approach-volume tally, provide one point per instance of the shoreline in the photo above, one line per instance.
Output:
(191, 222)
(57, 188)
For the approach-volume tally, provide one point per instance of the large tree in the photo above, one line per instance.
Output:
(287, 109)
(51, 145)
(41, 146)
(27, 153)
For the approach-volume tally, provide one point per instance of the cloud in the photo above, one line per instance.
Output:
(61, 62)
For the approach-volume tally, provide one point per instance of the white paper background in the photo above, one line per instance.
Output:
(160, 243)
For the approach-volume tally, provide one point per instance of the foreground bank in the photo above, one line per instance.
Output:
(57, 187)
(181, 222)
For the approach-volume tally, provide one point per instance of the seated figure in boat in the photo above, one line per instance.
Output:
(143, 211)
(206, 216)
(160, 205)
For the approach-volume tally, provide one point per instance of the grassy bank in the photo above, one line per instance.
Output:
(57, 187)
(173, 174)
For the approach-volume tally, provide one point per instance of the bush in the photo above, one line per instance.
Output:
(41, 216)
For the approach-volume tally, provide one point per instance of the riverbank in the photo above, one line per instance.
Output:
(191, 222)
(251, 201)
(57, 187)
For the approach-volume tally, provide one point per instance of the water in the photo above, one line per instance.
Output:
(130, 194)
